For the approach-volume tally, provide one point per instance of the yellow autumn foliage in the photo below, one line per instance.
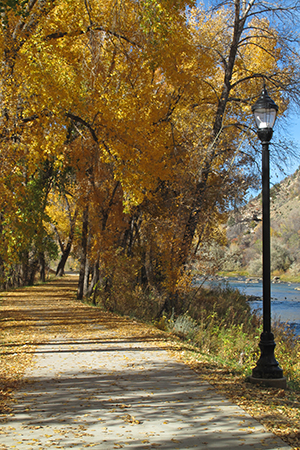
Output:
(147, 104)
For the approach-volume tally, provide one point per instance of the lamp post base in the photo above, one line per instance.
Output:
(269, 382)
(267, 370)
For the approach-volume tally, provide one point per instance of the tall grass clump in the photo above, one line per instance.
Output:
(288, 352)
(220, 324)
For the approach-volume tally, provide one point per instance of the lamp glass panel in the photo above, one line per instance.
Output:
(265, 118)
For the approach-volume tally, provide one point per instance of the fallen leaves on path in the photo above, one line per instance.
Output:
(34, 315)
(277, 409)
(26, 323)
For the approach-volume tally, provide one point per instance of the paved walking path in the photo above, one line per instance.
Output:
(112, 391)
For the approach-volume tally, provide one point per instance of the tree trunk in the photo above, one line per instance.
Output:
(42, 267)
(33, 268)
(84, 246)
(60, 271)
(25, 268)
(148, 265)
(66, 250)
(192, 222)
(86, 279)
(2, 271)
(92, 289)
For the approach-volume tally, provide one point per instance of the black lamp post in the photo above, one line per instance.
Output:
(267, 370)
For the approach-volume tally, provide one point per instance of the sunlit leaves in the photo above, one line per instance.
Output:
(129, 94)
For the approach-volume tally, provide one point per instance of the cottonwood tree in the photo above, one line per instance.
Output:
(245, 50)
(238, 50)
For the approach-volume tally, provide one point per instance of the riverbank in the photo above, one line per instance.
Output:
(285, 276)
(285, 297)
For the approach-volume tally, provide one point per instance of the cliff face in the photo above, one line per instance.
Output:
(244, 231)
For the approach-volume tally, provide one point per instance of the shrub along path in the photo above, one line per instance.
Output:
(73, 376)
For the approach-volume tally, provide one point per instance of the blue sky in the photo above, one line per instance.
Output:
(275, 175)
(294, 163)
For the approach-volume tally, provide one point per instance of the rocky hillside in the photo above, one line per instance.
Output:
(244, 232)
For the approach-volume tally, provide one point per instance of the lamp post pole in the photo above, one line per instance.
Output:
(266, 254)
(267, 370)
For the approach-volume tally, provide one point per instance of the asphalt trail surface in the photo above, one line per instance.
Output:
(111, 391)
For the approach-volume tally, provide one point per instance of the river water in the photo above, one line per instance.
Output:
(285, 299)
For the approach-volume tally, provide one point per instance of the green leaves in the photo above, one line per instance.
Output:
(17, 5)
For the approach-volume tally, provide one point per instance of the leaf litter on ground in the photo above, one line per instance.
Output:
(27, 323)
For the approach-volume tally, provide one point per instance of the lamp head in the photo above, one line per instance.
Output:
(265, 112)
